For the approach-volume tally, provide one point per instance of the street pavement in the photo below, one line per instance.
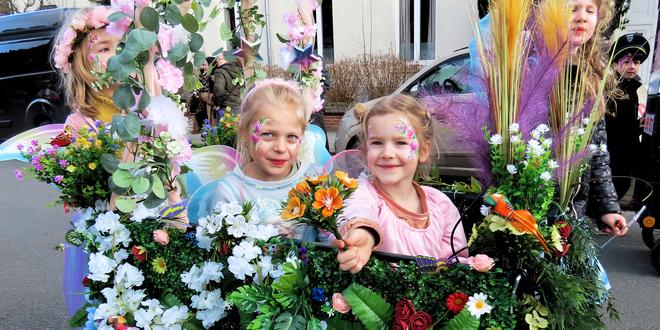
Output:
(31, 269)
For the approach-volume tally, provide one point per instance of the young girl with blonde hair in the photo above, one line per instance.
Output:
(390, 212)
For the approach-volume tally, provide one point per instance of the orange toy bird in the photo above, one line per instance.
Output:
(522, 220)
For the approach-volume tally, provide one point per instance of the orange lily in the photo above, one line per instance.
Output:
(348, 182)
(317, 180)
(329, 200)
(303, 187)
(294, 209)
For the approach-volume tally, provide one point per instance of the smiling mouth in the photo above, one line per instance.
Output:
(388, 167)
(277, 162)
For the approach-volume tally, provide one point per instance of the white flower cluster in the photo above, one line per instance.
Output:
(209, 304)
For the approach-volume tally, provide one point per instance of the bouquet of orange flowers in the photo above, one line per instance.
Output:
(318, 201)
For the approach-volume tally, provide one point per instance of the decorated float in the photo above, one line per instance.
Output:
(533, 264)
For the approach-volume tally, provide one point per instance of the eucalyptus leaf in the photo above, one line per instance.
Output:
(189, 23)
(188, 68)
(225, 32)
(122, 178)
(119, 70)
(196, 42)
(157, 187)
(109, 162)
(126, 205)
(190, 82)
(172, 14)
(127, 127)
(198, 11)
(115, 188)
(116, 16)
(149, 19)
(145, 99)
(199, 58)
(123, 97)
(141, 39)
(128, 54)
(130, 166)
(177, 52)
(153, 201)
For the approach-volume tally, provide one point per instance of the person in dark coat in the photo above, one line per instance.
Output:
(624, 112)
(225, 92)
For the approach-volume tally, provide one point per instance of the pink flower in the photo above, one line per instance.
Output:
(481, 262)
(119, 27)
(169, 77)
(161, 237)
(58, 178)
(98, 17)
(19, 175)
(78, 23)
(142, 3)
(291, 20)
(340, 304)
(165, 38)
(125, 6)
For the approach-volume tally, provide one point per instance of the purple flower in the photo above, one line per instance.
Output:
(97, 123)
(91, 129)
(39, 167)
(34, 143)
(51, 151)
(19, 175)
(58, 178)
(35, 161)
(30, 150)
(63, 163)
(19, 147)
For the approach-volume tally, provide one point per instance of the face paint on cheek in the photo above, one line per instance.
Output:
(256, 131)
(408, 132)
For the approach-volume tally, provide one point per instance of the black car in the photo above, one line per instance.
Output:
(29, 93)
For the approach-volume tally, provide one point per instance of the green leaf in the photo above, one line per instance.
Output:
(128, 54)
(74, 237)
(190, 82)
(260, 74)
(115, 188)
(193, 324)
(127, 127)
(314, 324)
(231, 3)
(144, 101)
(123, 97)
(157, 187)
(149, 19)
(286, 321)
(117, 16)
(122, 178)
(463, 321)
(119, 69)
(79, 319)
(369, 307)
(189, 23)
(248, 298)
(337, 323)
(282, 39)
(140, 185)
(153, 201)
(109, 162)
(177, 52)
(197, 10)
(196, 42)
(225, 32)
(141, 39)
(130, 166)
(172, 14)
(170, 300)
(125, 204)
(199, 58)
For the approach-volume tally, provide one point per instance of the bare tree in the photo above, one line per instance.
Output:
(8, 7)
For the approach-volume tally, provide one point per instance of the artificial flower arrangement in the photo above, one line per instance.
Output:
(73, 165)
(224, 133)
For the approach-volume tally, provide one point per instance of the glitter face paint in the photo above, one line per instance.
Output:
(407, 131)
(256, 131)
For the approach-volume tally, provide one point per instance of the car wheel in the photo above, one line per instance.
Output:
(655, 256)
(650, 236)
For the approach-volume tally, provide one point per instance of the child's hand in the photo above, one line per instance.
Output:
(616, 222)
(358, 243)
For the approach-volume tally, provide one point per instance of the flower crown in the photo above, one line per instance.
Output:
(81, 24)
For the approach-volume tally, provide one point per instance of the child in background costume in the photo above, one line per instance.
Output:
(270, 132)
(389, 212)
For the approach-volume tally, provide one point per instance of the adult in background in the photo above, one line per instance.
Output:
(318, 118)
(623, 123)
(201, 99)
(225, 92)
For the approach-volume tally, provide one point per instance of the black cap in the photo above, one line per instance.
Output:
(632, 43)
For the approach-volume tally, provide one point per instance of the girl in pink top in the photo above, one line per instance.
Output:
(390, 212)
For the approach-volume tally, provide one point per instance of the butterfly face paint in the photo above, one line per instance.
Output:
(408, 132)
(256, 131)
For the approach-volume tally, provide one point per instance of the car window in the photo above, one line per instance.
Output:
(448, 77)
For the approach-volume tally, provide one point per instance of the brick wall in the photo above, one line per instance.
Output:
(332, 121)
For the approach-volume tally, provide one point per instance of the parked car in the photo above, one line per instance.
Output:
(28, 83)
(448, 74)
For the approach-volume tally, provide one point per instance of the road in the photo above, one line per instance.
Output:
(31, 269)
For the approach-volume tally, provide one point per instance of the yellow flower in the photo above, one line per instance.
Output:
(348, 182)
(98, 143)
(92, 166)
(91, 135)
(555, 238)
(329, 200)
(159, 265)
(70, 168)
(317, 180)
(294, 209)
(67, 152)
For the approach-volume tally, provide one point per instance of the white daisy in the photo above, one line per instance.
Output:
(495, 139)
(477, 305)
(511, 169)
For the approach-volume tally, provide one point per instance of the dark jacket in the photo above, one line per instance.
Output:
(225, 93)
(596, 194)
(623, 129)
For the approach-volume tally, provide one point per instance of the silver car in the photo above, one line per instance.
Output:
(446, 75)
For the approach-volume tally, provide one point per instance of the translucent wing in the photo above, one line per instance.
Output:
(350, 161)
(43, 134)
(208, 165)
(313, 146)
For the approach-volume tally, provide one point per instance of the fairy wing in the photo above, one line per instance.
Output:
(43, 135)
(350, 161)
(208, 165)
(313, 146)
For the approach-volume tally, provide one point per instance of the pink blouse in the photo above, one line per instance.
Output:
(399, 237)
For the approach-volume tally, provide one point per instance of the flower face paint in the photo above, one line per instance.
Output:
(408, 132)
(256, 131)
